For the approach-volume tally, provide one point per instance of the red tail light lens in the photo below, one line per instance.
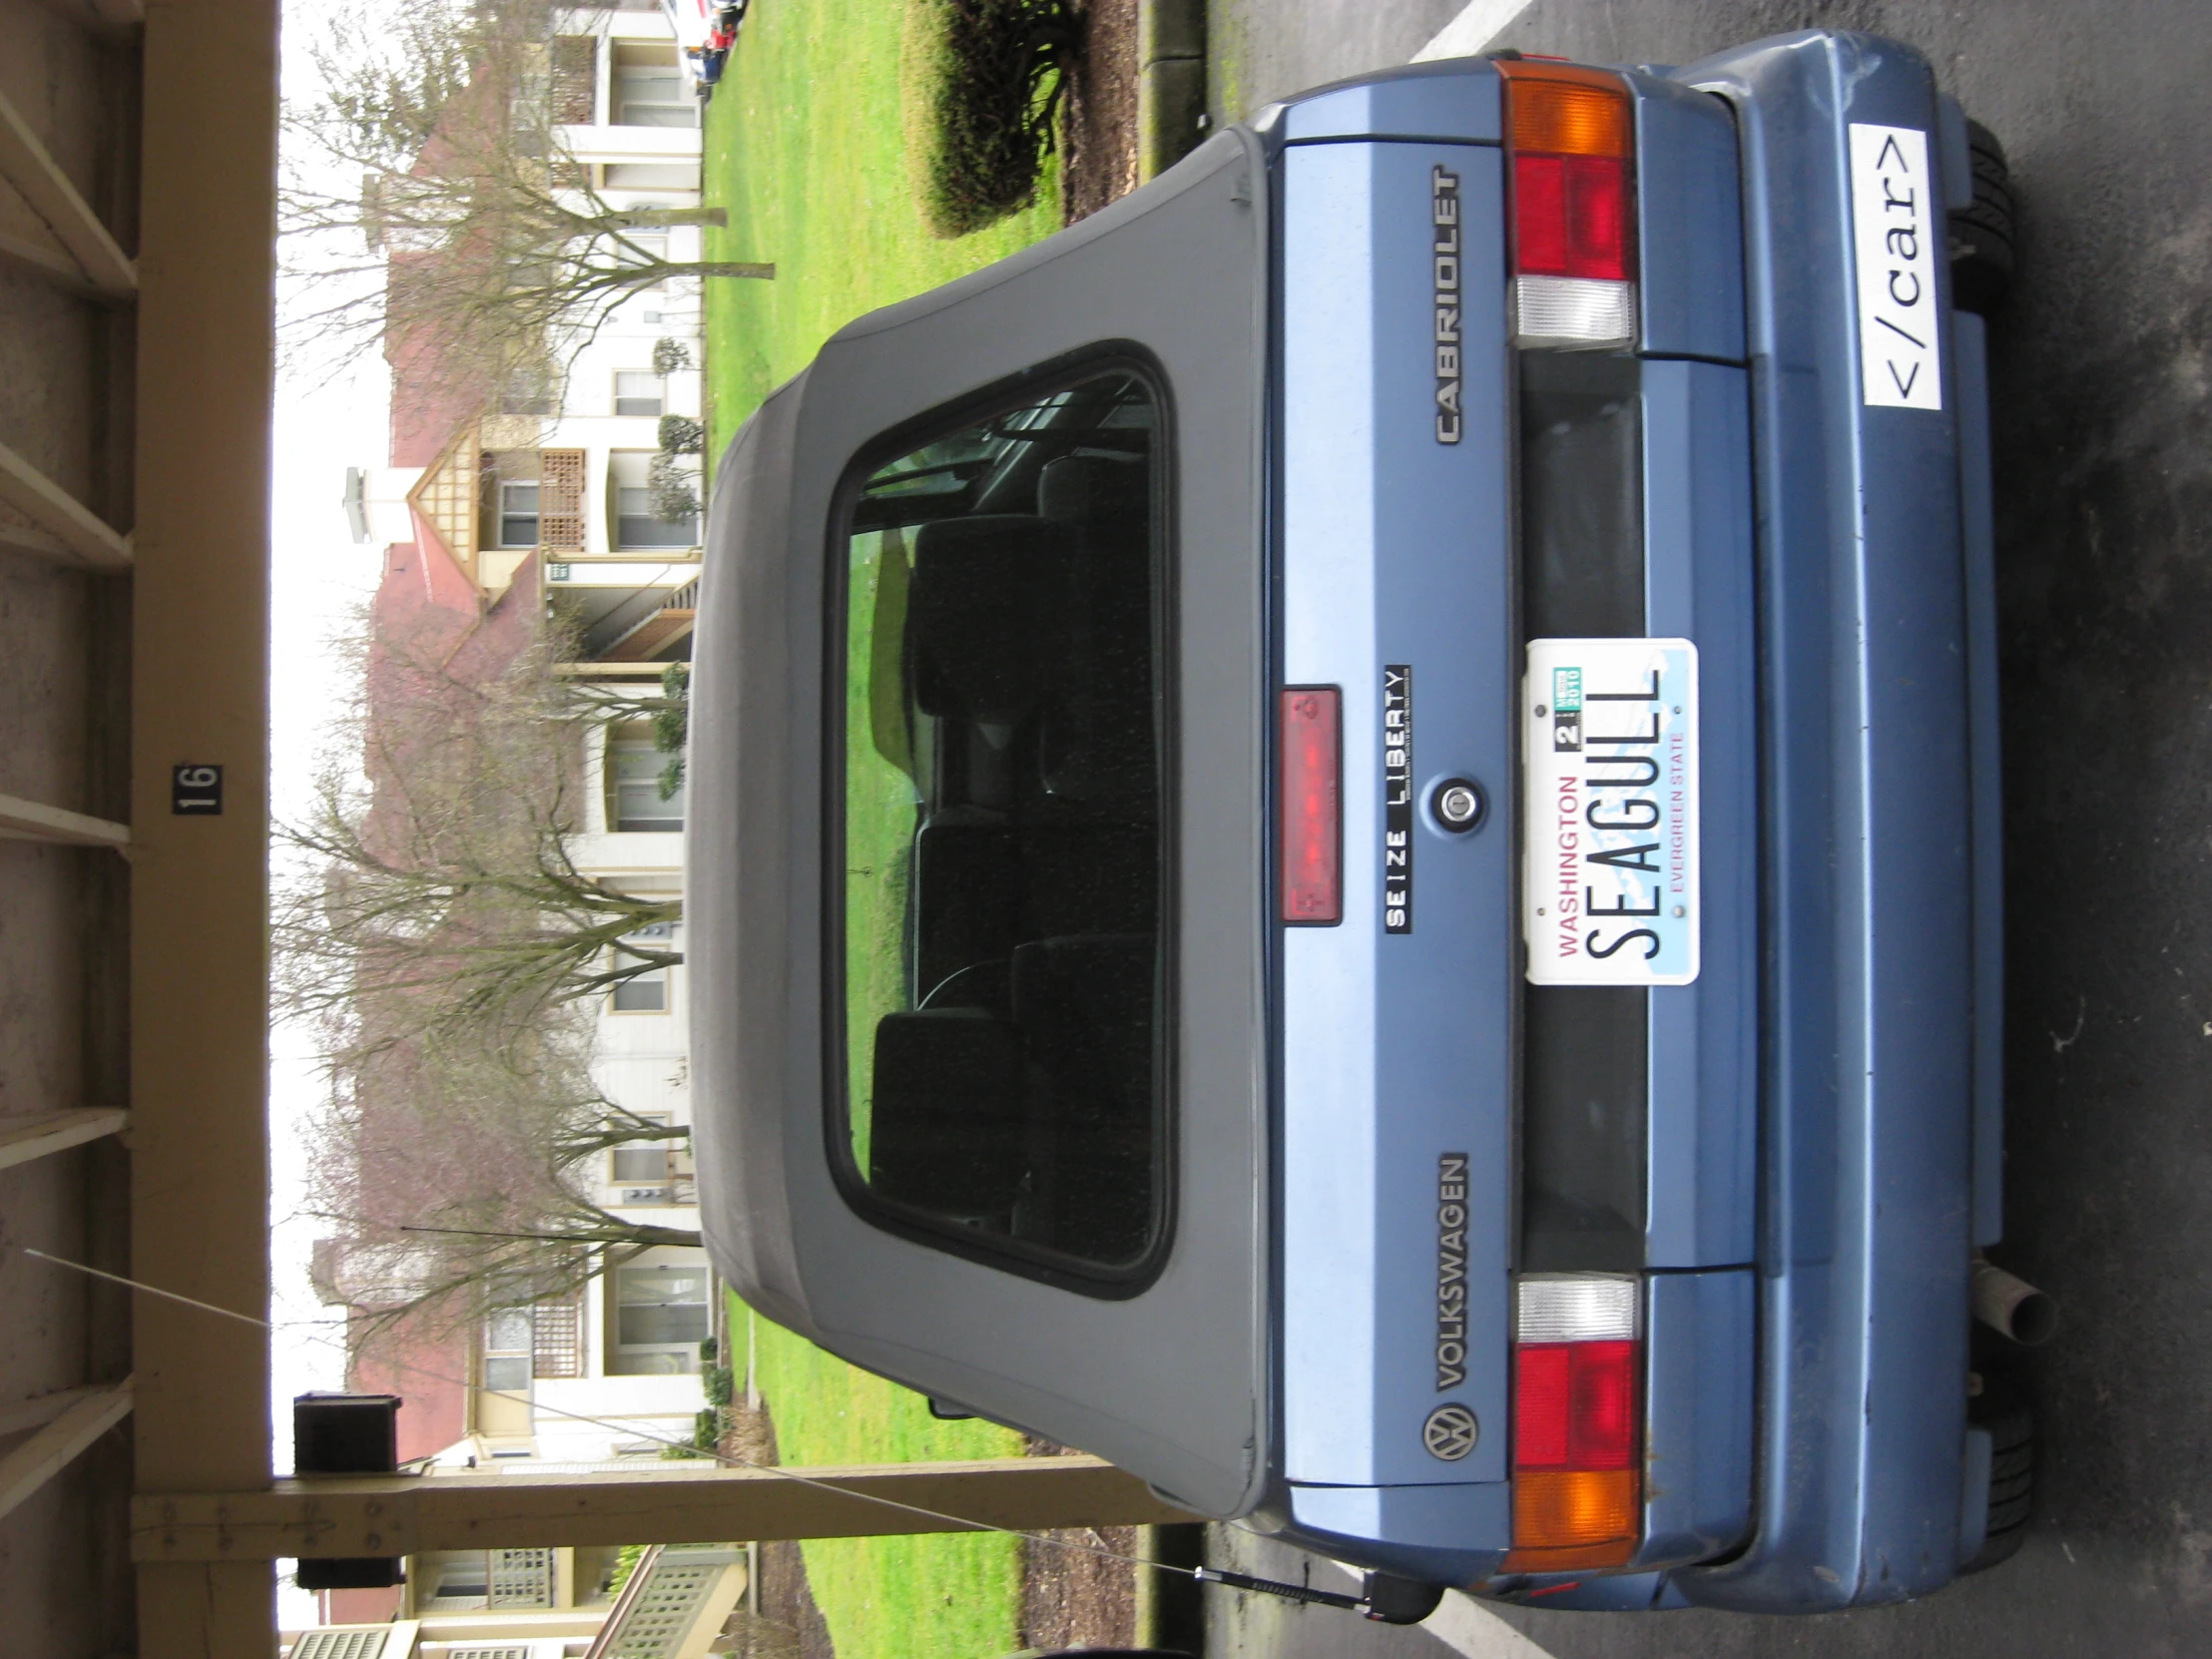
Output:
(1570, 216)
(1577, 1488)
(1312, 808)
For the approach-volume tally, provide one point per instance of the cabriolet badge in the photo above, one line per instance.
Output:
(1443, 216)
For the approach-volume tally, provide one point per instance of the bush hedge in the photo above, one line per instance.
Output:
(983, 84)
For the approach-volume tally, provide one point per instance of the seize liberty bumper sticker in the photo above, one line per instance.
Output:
(1609, 813)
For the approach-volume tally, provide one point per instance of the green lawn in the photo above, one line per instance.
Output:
(803, 149)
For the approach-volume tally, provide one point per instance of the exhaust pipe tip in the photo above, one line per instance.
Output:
(2012, 1307)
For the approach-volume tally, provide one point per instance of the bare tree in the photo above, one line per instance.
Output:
(438, 142)
(437, 891)
(460, 1177)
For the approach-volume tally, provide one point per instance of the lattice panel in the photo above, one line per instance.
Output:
(575, 61)
(557, 1340)
(341, 1644)
(664, 1611)
(521, 1577)
(561, 501)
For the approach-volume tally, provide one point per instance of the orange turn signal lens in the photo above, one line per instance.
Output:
(1557, 112)
(1560, 1508)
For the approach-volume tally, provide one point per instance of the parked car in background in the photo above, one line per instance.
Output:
(705, 32)
(1345, 844)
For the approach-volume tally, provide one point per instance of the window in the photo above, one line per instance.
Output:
(637, 524)
(655, 499)
(518, 515)
(652, 1172)
(1000, 972)
(508, 1349)
(643, 796)
(640, 1165)
(659, 1320)
(646, 991)
(637, 393)
(652, 96)
(645, 248)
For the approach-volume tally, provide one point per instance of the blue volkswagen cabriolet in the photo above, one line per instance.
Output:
(1345, 833)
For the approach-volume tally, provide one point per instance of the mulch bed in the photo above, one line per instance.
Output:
(1072, 1598)
(1070, 1595)
(1101, 119)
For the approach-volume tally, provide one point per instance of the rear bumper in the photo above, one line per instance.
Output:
(1875, 745)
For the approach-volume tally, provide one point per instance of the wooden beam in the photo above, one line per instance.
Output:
(44, 1408)
(402, 1516)
(31, 821)
(47, 262)
(25, 163)
(54, 1447)
(26, 539)
(85, 538)
(22, 1140)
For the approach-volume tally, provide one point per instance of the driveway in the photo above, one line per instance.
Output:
(2102, 366)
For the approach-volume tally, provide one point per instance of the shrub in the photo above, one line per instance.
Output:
(669, 356)
(672, 489)
(719, 1384)
(984, 80)
(682, 435)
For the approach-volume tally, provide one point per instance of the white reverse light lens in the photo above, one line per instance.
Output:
(1573, 312)
(1577, 1308)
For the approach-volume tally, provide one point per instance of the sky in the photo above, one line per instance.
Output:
(328, 415)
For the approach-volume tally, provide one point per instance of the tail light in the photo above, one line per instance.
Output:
(1571, 140)
(1313, 816)
(1577, 1480)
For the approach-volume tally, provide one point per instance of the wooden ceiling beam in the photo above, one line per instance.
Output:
(495, 1510)
(26, 164)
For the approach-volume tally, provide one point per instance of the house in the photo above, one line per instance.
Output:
(533, 513)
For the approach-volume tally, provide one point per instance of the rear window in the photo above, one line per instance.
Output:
(1002, 989)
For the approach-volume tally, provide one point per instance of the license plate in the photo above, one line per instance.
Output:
(1609, 820)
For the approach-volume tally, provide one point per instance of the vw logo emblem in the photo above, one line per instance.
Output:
(1449, 1432)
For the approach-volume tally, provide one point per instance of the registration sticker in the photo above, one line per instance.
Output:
(1609, 814)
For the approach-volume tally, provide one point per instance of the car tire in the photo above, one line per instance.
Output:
(2002, 1411)
(1984, 237)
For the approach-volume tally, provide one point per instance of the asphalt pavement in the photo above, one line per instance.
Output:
(2103, 368)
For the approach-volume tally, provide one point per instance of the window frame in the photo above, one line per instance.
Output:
(662, 974)
(1100, 1281)
(536, 515)
(660, 393)
(685, 1352)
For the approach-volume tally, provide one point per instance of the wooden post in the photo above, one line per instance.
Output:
(198, 899)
